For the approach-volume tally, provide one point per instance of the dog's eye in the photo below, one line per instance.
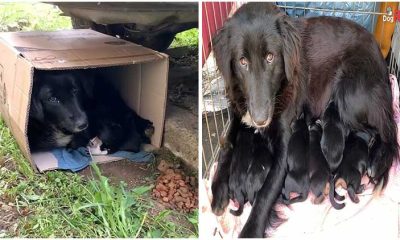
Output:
(243, 61)
(269, 57)
(53, 100)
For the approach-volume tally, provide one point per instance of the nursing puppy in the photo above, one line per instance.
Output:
(251, 163)
(117, 125)
(57, 116)
(297, 179)
(241, 159)
(319, 169)
(354, 164)
(333, 138)
(260, 165)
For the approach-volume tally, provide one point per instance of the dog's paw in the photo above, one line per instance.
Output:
(220, 198)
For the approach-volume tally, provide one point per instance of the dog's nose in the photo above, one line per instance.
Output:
(260, 123)
(82, 126)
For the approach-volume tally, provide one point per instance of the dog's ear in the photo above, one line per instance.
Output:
(223, 56)
(86, 80)
(291, 46)
(222, 53)
(36, 108)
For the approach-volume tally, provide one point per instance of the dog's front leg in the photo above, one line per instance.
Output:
(266, 198)
(220, 183)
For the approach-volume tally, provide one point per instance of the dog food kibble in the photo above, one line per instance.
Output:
(175, 189)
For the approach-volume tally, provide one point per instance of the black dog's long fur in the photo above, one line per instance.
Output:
(117, 125)
(318, 167)
(273, 65)
(57, 116)
(297, 179)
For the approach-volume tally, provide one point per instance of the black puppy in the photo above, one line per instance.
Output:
(319, 169)
(117, 125)
(354, 164)
(241, 158)
(251, 162)
(333, 136)
(297, 179)
(332, 144)
(57, 115)
(261, 162)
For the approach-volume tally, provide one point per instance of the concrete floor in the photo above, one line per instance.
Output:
(181, 121)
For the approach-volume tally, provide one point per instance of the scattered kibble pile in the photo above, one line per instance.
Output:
(176, 190)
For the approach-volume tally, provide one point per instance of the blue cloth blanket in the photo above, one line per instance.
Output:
(76, 160)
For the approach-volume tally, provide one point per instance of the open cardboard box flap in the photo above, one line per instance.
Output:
(143, 87)
(76, 48)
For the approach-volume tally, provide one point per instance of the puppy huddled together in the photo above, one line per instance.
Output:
(69, 108)
(322, 155)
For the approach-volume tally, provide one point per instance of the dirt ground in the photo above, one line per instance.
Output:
(136, 174)
(8, 211)
(8, 217)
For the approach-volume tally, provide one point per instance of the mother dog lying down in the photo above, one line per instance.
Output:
(273, 65)
(70, 107)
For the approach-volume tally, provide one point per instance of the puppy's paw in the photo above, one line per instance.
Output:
(149, 131)
(319, 199)
(148, 148)
(220, 198)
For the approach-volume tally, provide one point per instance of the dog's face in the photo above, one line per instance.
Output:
(57, 99)
(256, 53)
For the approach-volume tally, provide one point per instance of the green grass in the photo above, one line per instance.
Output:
(63, 204)
(32, 16)
(186, 38)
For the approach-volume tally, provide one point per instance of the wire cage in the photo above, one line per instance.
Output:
(215, 115)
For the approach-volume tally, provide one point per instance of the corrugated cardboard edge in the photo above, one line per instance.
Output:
(28, 154)
(165, 97)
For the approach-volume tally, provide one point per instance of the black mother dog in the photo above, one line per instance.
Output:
(57, 116)
(273, 64)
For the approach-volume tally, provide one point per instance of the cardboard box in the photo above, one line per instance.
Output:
(141, 75)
